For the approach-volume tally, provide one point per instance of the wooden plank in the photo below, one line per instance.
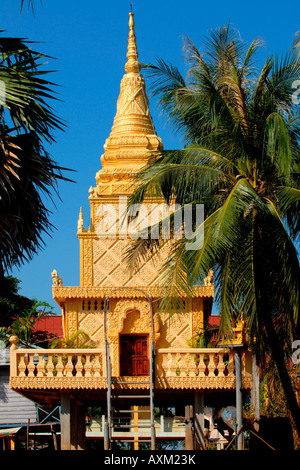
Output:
(14, 408)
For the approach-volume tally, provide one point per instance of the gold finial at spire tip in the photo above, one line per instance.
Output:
(132, 64)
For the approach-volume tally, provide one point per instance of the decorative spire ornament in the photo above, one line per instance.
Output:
(132, 65)
(80, 227)
(133, 139)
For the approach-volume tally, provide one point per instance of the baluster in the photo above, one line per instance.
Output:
(31, 365)
(96, 364)
(22, 365)
(201, 366)
(68, 366)
(40, 366)
(59, 366)
(231, 365)
(79, 368)
(50, 365)
(88, 366)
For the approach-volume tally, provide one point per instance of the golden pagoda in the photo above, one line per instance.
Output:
(137, 358)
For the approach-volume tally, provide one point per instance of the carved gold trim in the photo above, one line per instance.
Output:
(61, 293)
(183, 383)
(46, 383)
(91, 383)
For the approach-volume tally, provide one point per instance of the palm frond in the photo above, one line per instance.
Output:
(28, 175)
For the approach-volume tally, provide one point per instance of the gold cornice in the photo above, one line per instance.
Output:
(91, 383)
(62, 293)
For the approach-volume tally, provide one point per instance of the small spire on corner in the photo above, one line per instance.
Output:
(80, 227)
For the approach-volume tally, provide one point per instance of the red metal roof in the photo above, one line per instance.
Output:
(214, 320)
(51, 324)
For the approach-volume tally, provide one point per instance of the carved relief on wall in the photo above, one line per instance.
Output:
(133, 313)
(128, 316)
(132, 99)
(197, 314)
(175, 330)
(92, 324)
(72, 323)
(111, 271)
(87, 261)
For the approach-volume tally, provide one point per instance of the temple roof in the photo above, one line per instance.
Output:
(133, 137)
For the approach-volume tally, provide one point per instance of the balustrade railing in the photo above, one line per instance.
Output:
(194, 362)
(57, 363)
(189, 362)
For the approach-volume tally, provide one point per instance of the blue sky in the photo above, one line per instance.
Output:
(88, 40)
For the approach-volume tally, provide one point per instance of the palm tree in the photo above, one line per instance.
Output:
(27, 172)
(31, 4)
(76, 340)
(241, 160)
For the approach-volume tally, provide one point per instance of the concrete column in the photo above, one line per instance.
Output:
(199, 419)
(239, 398)
(72, 423)
(65, 420)
(82, 427)
(189, 435)
(77, 426)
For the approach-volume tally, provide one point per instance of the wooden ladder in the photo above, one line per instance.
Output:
(117, 398)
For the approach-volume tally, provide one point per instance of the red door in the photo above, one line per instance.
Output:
(134, 355)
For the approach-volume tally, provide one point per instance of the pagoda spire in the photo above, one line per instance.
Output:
(133, 138)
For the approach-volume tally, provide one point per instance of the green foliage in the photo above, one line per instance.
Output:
(31, 4)
(24, 325)
(11, 302)
(27, 172)
(205, 337)
(272, 399)
(79, 339)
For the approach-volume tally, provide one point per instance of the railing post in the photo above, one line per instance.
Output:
(65, 420)
(13, 356)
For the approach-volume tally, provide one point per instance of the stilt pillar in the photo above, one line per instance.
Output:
(189, 434)
(65, 420)
(77, 426)
(72, 423)
(199, 420)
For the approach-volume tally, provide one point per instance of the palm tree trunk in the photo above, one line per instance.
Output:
(278, 356)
